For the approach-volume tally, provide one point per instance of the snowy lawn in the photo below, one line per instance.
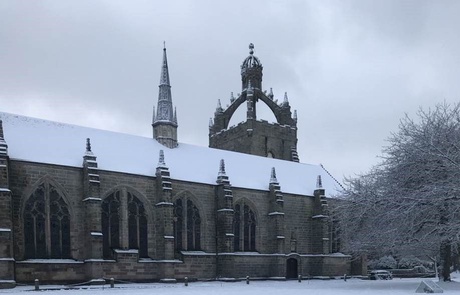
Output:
(320, 287)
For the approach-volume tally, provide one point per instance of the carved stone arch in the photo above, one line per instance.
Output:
(46, 179)
(275, 108)
(137, 193)
(196, 201)
(230, 111)
(251, 204)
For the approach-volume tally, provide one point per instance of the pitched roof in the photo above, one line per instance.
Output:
(42, 141)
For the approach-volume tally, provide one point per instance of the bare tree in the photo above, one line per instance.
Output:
(411, 201)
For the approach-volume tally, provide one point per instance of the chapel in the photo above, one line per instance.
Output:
(81, 204)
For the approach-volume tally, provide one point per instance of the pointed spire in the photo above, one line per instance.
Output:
(232, 98)
(175, 115)
(165, 121)
(164, 107)
(164, 78)
(161, 160)
(273, 176)
(211, 122)
(319, 182)
(270, 94)
(154, 115)
(222, 168)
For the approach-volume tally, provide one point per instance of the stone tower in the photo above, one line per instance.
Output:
(278, 140)
(164, 122)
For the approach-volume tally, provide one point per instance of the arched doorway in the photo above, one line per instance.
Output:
(291, 268)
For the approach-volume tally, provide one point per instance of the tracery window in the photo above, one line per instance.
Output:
(187, 219)
(244, 228)
(113, 223)
(46, 224)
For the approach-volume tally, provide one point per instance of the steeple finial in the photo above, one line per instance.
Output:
(295, 115)
(319, 182)
(175, 115)
(222, 168)
(273, 176)
(211, 122)
(270, 94)
(161, 160)
(154, 115)
(232, 98)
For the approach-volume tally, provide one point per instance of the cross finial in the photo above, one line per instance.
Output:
(251, 48)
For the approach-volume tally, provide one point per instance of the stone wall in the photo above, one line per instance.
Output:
(267, 262)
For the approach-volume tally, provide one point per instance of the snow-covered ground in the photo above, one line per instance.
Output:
(313, 287)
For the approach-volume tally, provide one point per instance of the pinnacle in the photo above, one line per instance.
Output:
(319, 182)
(222, 168)
(161, 160)
(273, 176)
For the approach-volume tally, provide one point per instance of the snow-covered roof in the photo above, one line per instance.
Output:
(42, 141)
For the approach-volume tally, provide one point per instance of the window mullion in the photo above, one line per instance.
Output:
(47, 221)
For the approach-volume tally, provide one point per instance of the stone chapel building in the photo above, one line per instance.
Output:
(78, 204)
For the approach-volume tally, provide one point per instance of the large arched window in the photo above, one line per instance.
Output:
(114, 223)
(244, 228)
(187, 220)
(46, 224)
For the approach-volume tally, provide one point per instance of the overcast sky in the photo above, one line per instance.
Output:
(351, 69)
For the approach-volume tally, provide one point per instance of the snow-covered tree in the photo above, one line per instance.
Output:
(411, 201)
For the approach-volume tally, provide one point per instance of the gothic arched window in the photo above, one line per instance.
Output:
(113, 223)
(110, 224)
(137, 225)
(244, 228)
(187, 219)
(46, 224)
